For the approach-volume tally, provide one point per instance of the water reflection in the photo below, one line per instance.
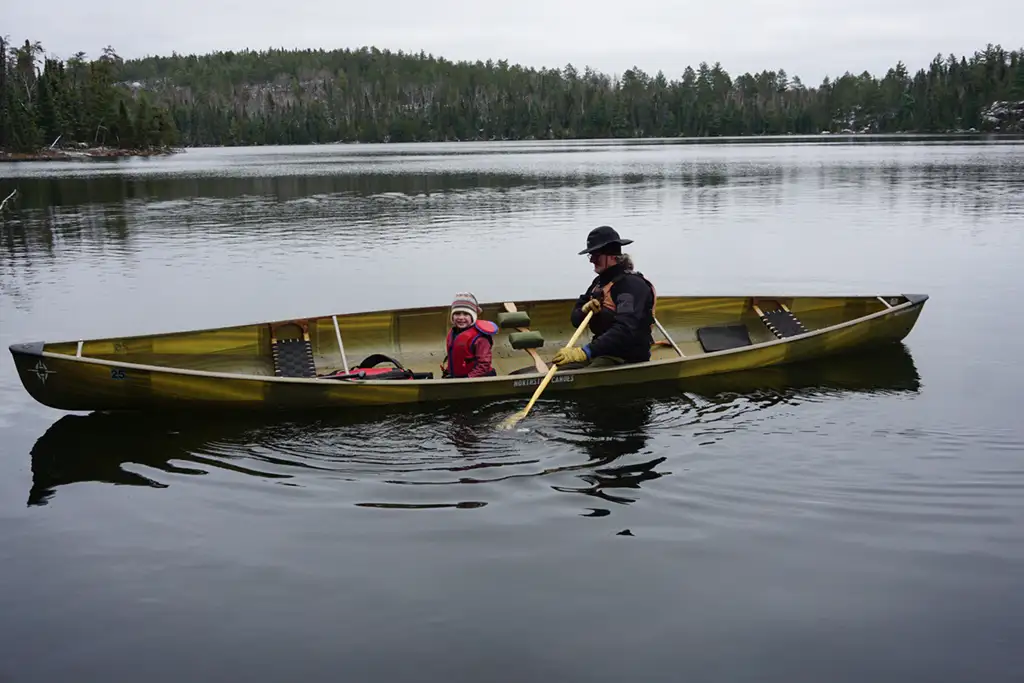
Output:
(420, 447)
(97, 448)
(608, 431)
(236, 193)
(40, 193)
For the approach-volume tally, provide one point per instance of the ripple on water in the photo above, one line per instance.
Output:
(797, 450)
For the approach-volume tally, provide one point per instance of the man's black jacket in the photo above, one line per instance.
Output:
(626, 331)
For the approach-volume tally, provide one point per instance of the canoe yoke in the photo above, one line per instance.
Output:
(524, 339)
(780, 321)
(293, 357)
(531, 339)
(513, 319)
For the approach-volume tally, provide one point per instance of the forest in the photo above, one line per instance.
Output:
(372, 95)
(44, 101)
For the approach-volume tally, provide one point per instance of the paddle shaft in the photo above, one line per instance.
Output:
(551, 372)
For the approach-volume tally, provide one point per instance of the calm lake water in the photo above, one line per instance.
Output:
(855, 520)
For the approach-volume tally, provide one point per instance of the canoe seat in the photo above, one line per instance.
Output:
(293, 357)
(722, 337)
(782, 323)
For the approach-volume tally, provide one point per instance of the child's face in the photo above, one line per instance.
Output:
(461, 319)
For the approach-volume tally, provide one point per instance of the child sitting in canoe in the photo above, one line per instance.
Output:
(469, 341)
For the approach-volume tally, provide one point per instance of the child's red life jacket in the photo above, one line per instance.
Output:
(461, 345)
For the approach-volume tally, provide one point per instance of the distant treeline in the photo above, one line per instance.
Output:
(76, 101)
(370, 95)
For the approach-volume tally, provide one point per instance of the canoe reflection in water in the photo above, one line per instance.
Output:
(608, 431)
(410, 446)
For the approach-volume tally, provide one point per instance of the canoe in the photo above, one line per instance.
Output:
(294, 364)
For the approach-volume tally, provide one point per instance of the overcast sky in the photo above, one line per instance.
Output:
(808, 38)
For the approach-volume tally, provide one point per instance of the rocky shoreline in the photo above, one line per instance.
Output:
(60, 154)
(1005, 117)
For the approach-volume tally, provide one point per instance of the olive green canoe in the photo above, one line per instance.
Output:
(315, 362)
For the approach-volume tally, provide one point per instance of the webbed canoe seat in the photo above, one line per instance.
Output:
(293, 356)
(781, 322)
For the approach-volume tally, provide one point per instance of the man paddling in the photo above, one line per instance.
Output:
(623, 304)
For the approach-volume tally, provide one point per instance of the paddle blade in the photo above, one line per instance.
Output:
(512, 420)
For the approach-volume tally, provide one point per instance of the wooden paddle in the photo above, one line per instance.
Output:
(511, 420)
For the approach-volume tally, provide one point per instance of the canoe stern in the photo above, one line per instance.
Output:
(37, 374)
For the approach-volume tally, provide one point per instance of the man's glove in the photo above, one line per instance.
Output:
(569, 354)
(592, 306)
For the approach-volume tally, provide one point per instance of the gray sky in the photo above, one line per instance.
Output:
(808, 38)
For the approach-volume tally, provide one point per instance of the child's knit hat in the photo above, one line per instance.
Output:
(466, 302)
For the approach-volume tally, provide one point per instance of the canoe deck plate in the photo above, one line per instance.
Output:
(293, 358)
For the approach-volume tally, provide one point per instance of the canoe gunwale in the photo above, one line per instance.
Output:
(911, 299)
(36, 349)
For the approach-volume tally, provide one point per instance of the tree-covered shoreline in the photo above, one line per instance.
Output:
(152, 104)
(51, 104)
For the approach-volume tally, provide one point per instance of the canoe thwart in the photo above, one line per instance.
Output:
(341, 344)
(526, 340)
(669, 339)
(722, 337)
(513, 319)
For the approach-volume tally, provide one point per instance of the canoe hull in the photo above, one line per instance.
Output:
(67, 381)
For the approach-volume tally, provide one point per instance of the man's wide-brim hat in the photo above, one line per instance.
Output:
(602, 237)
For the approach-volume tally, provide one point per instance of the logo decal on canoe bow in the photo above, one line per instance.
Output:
(42, 372)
